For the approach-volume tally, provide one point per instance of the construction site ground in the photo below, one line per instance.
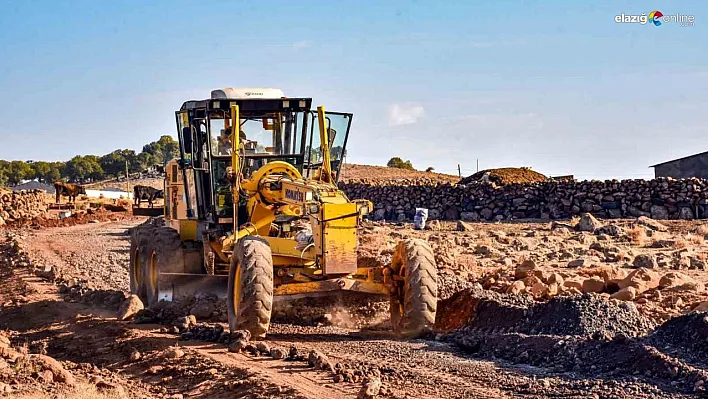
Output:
(60, 289)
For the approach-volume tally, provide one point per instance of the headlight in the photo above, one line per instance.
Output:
(313, 208)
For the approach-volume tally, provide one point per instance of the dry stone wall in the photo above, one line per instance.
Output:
(18, 205)
(662, 198)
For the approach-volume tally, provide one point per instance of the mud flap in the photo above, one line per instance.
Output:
(173, 286)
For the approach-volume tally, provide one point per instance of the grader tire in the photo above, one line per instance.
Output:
(250, 291)
(161, 252)
(137, 283)
(413, 307)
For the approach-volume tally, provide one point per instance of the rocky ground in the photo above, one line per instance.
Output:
(527, 310)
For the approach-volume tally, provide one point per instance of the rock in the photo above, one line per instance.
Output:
(4, 341)
(645, 260)
(612, 274)
(659, 212)
(524, 268)
(203, 310)
(263, 348)
(673, 279)
(642, 279)
(690, 286)
(110, 388)
(573, 283)
(51, 364)
(46, 376)
(578, 263)
(555, 278)
(651, 223)
(370, 389)
(593, 285)
(130, 307)
(278, 353)
(538, 290)
(292, 352)
(625, 294)
(5, 388)
(469, 216)
(553, 289)
(241, 334)
(252, 349)
(685, 213)
(183, 323)
(238, 345)
(174, 353)
(462, 226)
(516, 288)
(610, 230)
(135, 355)
(588, 223)
(702, 307)
(433, 225)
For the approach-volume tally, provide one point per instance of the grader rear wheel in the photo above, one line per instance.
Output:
(250, 291)
(137, 283)
(414, 304)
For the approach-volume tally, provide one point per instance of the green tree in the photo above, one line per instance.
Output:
(429, 169)
(4, 165)
(83, 168)
(17, 171)
(397, 162)
(56, 172)
(40, 169)
(114, 164)
(163, 150)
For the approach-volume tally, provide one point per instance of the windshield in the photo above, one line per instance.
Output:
(276, 133)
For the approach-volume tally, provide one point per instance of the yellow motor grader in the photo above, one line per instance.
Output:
(253, 213)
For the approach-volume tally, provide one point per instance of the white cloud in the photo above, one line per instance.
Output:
(405, 114)
(301, 45)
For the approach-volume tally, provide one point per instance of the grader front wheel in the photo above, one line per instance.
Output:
(250, 291)
(414, 304)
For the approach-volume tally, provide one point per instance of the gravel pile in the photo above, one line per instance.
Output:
(685, 337)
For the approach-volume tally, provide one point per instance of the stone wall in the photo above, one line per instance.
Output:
(662, 198)
(18, 205)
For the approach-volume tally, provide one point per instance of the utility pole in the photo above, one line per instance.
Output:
(127, 179)
(459, 171)
(477, 164)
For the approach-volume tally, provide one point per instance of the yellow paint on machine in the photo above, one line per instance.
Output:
(188, 230)
(339, 240)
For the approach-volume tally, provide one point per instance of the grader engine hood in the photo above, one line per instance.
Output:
(334, 231)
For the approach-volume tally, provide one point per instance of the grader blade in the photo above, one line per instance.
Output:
(174, 286)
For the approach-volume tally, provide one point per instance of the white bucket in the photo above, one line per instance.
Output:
(421, 216)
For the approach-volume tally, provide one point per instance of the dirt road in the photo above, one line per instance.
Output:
(95, 346)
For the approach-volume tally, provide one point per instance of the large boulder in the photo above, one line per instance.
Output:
(659, 212)
(642, 279)
(130, 307)
(645, 260)
(588, 223)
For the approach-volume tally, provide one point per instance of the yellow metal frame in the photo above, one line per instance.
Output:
(337, 218)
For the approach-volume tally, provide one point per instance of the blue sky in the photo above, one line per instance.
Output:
(558, 86)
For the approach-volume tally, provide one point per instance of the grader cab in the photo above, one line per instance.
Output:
(253, 213)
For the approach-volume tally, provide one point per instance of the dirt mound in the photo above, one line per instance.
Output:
(685, 337)
(502, 176)
(353, 173)
(581, 315)
(585, 334)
